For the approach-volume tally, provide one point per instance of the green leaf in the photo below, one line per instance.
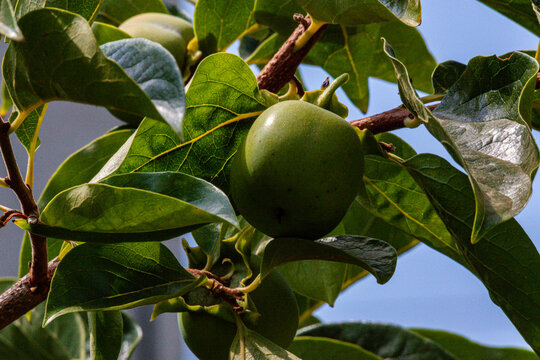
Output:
(357, 51)
(8, 22)
(115, 276)
(63, 41)
(26, 131)
(86, 8)
(278, 15)
(222, 101)
(518, 10)
(134, 207)
(536, 8)
(248, 344)
(315, 348)
(375, 256)
(116, 12)
(387, 341)
(64, 339)
(482, 122)
(106, 331)
(218, 23)
(464, 349)
(506, 260)
(353, 13)
(105, 33)
(7, 103)
(209, 240)
(445, 75)
(131, 338)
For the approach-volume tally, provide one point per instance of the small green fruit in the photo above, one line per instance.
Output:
(298, 171)
(172, 32)
(210, 338)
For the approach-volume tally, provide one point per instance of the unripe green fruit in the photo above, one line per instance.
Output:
(298, 171)
(172, 32)
(210, 338)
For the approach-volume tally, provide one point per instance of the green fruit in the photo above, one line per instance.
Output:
(172, 32)
(210, 338)
(298, 171)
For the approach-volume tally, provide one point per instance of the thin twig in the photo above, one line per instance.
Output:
(386, 121)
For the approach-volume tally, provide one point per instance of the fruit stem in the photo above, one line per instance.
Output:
(326, 97)
(306, 36)
(291, 93)
(254, 285)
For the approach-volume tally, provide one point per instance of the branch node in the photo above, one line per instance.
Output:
(299, 18)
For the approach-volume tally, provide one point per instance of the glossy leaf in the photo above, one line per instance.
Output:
(218, 23)
(116, 12)
(86, 8)
(209, 239)
(106, 331)
(64, 339)
(131, 338)
(445, 75)
(8, 22)
(482, 122)
(248, 344)
(278, 15)
(71, 50)
(315, 348)
(105, 33)
(506, 260)
(134, 207)
(386, 341)
(518, 10)
(464, 349)
(222, 101)
(353, 13)
(115, 276)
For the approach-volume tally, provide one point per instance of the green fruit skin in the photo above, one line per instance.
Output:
(172, 32)
(210, 338)
(298, 171)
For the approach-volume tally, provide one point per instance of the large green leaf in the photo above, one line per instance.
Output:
(387, 341)
(248, 344)
(483, 123)
(506, 260)
(316, 348)
(134, 207)
(60, 46)
(115, 276)
(222, 101)
(86, 8)
(8, 22)
(218, 23)
(353, 12)
(116, 12)
(64, 339)
(518, 10)
(77, 169)
(106, 331)
(464, 349)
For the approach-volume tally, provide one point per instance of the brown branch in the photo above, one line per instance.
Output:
(38, 267)
(282, 67)
(386, 121)
(21, 298)
(218, 289)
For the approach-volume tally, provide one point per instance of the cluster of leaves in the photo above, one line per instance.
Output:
(169, 174)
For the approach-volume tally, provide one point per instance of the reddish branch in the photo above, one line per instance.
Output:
(281, 68)
(386, 121)
(218, 289)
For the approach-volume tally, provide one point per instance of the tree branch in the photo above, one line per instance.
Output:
(21, 298)
(386, 121)
(282, 67)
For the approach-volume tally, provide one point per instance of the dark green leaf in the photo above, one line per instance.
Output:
(8, 22)
(106, 331)
(248, 344)
(105, 33)
(63, 339)
(132, 337)
(134, 207)
(353, 13)
(483, 123)
(505, 260)
(115, 276)
(387, 341)
(209, 240)
(445, 75)
(116, 12)
(316, 348)
(278, 15)
(375, 256)
(64, 42)
(218, 23)
(86, 8)
(464, 349)
(222, 101)
(518, 10)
